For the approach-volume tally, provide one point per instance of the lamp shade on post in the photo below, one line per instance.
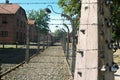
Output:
(47, 10)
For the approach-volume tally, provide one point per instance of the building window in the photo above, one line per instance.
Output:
(17, 36)
(20, 11)
(4, 20)
(4, 33)
(18, 22)
(24, 24)
(21, 24)
(21, 36)
(24, 36)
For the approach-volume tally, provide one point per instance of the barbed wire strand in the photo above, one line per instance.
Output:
(28, 3)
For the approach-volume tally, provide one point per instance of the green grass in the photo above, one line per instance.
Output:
(11, 46)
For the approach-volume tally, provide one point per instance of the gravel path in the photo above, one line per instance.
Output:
(11, 57)
(49, 65)
(117, 75)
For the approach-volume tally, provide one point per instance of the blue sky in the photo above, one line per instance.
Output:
(42, 5)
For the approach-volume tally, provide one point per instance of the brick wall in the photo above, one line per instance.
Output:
(15, 25)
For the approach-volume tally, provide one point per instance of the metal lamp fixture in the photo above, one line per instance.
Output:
(47, 10)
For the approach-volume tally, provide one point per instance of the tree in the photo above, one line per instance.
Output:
(41, 19)
(59, 33)
(115, 10)
(70, 7)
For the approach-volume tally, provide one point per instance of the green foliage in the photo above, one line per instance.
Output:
(59, 33)
(115, 10)
(41, 20)
(70, 7)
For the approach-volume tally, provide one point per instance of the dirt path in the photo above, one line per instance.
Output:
(49, 65)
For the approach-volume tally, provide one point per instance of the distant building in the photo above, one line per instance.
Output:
(32, 31)
(13, 23)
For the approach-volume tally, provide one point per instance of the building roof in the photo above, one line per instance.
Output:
(9, 8)
(31, 22)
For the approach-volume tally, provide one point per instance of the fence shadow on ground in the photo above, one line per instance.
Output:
(118, 75)
(14, 56)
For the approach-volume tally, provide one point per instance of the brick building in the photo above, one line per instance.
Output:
(13, 23)
(32, 31)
